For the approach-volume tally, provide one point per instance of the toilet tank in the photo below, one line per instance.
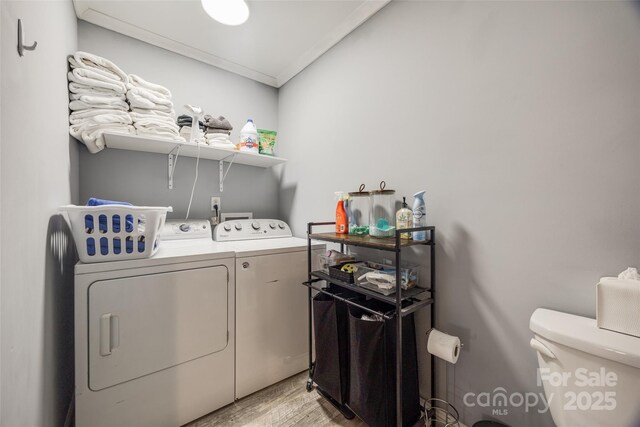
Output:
(591, 376)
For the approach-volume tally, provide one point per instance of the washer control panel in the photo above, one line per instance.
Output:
(251, 229)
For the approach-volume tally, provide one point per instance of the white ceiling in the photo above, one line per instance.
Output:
(278, 41)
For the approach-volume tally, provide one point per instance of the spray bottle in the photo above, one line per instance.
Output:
(419, 216)
(342, 227)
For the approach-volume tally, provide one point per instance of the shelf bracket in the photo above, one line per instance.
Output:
(172, 160)
(223, 174)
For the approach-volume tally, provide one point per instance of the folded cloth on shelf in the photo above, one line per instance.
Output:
(98, 64)
(110, 116)
(91, 134)
(134, 81)
(101, 102)
(142, 114)
(214, 131)
(186, 120)
(137, 101)
(80, 96)
(156, 123)
(218, 139)
(94, 79)
(98, 100)
(221, 136)
(82, 89)
(90, 112)
(151, 97)
(160, 134)
(218, 123)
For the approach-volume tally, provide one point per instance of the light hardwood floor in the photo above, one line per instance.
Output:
(284, 404)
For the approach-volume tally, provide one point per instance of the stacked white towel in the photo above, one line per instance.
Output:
(97, 100)
(152, 109)
(219, 140)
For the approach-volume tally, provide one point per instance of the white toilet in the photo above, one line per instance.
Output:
(591, 376)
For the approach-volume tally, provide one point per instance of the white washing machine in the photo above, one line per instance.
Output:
(154, 338)
(271, 304)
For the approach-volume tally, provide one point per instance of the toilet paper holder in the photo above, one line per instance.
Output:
(443, 346)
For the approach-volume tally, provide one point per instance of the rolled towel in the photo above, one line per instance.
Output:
(94, 79)
(118, 117)
(137, 81)
(86, 97)
(82, 89)
(107, 103)
(218, 123)
(99, 64)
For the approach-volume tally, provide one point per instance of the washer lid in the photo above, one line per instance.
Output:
(582, 333)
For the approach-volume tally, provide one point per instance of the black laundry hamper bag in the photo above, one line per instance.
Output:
(372, 383)
(331, 331)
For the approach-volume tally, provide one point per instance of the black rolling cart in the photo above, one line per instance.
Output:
(352, 299)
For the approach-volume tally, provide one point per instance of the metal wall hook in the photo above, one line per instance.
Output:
(22, 47)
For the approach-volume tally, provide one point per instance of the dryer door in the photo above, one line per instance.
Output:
(140, 325)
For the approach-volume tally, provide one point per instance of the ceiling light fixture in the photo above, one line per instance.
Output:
(228, 12)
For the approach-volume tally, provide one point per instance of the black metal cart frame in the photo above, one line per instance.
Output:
(389, 244)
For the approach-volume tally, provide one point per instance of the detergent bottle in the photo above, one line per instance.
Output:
(249, 137)
(419, 216)
(342, 227)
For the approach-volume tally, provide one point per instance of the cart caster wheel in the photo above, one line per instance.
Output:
(309, 385)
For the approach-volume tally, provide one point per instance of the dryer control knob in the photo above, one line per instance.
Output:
(255, 225)
(281, 225)
(238, 226)
(272, 225)
(227, 227)
(185, 227)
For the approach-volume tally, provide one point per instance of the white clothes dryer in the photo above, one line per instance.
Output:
(154, 338)
(271, 304)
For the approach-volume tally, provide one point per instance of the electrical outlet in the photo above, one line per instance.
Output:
(215, 201)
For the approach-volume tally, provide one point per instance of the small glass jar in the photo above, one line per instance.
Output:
(382, 218)
(359, 211)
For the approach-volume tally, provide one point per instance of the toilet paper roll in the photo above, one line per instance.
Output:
(444, 346)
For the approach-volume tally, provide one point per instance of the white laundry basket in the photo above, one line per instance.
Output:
(115, 232)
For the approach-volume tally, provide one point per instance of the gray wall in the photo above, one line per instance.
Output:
(521, 120)
(141, 178)
(37, 176)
